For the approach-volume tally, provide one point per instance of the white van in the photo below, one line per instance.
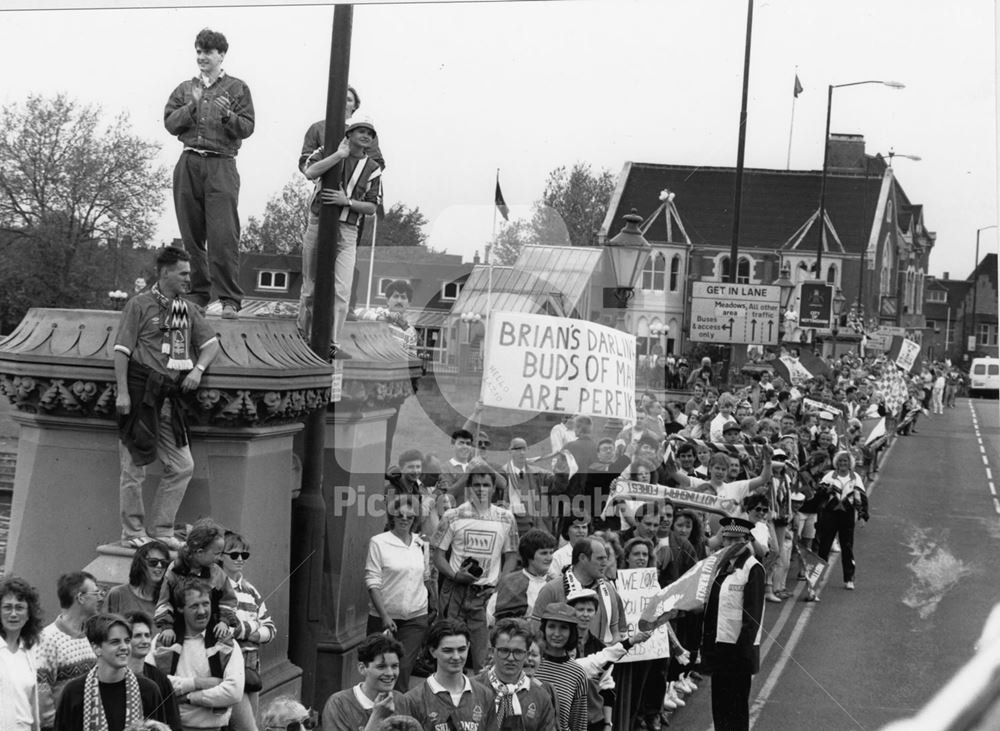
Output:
(984, 377)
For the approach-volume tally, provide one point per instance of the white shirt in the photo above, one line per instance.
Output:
(561, 558)
(18, 689)
(399, 572)
(560, 436)
(735, 491)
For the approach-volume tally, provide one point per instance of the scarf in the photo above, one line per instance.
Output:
(571, 584)
(94, 718)
(506, 700)
(176, 332)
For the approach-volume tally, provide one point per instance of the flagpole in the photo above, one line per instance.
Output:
(371, 262)
(791, 125)
(489, 290)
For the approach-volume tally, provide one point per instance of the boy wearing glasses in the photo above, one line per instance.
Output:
(254, 626)
(518, 697)
(378, 663)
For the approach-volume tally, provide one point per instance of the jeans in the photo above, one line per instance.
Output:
(178, 466)
(244, 713)
(778, 575)
(468, 603)
(343, 276)
(206, 193)
(410, 633)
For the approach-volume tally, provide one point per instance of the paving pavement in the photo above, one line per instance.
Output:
(927, 576)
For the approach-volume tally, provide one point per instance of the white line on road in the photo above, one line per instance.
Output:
(989, 474)
(993, 490)
(982, 451)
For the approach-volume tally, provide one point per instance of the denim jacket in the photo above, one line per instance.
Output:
(199, 124)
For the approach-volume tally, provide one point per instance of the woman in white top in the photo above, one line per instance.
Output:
(20, 627)
(396, 574)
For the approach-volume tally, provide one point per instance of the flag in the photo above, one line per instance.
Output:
(690, 592)
(499, 201)
(798, 87)
(812, 565)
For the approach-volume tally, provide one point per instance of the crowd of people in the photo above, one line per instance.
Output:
(493, 601)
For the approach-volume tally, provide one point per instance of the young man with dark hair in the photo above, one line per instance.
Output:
(521, 702)
(356, 195)
(142, 628)
(110, 696)
(211, 115)
(162, 350)
(378, 664)
(448, 699)
(462, 441)
(517, 591)
(483, 541)
(63, 651)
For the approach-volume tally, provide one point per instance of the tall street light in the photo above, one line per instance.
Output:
(628, 252)
(975, 288)
(826, 157)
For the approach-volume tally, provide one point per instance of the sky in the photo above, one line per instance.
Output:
(460, 90)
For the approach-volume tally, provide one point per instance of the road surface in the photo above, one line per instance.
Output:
(928, 574)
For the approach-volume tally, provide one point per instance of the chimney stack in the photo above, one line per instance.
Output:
(847, 153)
(945, 276)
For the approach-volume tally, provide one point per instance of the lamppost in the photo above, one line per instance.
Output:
(975, 289)
(787, 286)
(826, 157)
(628, 252)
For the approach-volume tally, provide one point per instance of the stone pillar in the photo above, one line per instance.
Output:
(377, 379)
(57, 369)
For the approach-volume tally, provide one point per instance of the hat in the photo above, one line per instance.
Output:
(359, 120)
(788, 435)
(735, 528)
(827, 416)
(579, 594)
(730, 426)
(560, 612)
(779, 455)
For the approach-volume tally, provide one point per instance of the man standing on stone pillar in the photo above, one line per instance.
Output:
(211, 115)
(159, 336)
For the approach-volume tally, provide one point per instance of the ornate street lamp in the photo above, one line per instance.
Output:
(117, 298)
(628, 252)
(787, 286)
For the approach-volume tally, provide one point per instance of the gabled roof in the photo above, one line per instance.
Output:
(986, 267)
(775, 203)
(550, 279)
(831, 240)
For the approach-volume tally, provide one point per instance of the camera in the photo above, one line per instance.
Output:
(471, 566)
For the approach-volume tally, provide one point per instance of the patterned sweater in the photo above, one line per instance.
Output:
(60, 656)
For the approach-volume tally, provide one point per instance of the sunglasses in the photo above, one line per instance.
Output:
(157, 563)
(511, 652)
(309, 722)
(238, 555)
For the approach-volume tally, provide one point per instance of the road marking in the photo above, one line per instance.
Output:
(800, 625)
(986, 461)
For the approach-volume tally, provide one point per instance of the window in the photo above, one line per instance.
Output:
(450, 291)
(277, 281)
(675, 272)
(724, 268)
(932, 325)
(831, 274)
(743, 271)
(936, 295)
(654, 272)
(986, 334)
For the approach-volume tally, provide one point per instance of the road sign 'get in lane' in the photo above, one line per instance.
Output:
(735, 313)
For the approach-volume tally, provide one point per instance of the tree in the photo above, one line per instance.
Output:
(69, 186)
(573, 206)
(401, 226)
(286, 216)
(511, 239)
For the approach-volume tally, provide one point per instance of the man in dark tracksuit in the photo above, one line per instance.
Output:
(211, 115)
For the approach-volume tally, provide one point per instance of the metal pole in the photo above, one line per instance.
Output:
(737, 353)
(975, 291)
(864, 244)
(734, 250)
(309, 509)
(822, 185)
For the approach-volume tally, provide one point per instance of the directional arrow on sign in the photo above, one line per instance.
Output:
(731, 321)
(770, 329)
(753, 330)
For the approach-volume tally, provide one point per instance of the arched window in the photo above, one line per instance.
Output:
(724, 268)
(654, 273)
(831, 274)
(675, 272)
(743, 271)
(885, 276)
